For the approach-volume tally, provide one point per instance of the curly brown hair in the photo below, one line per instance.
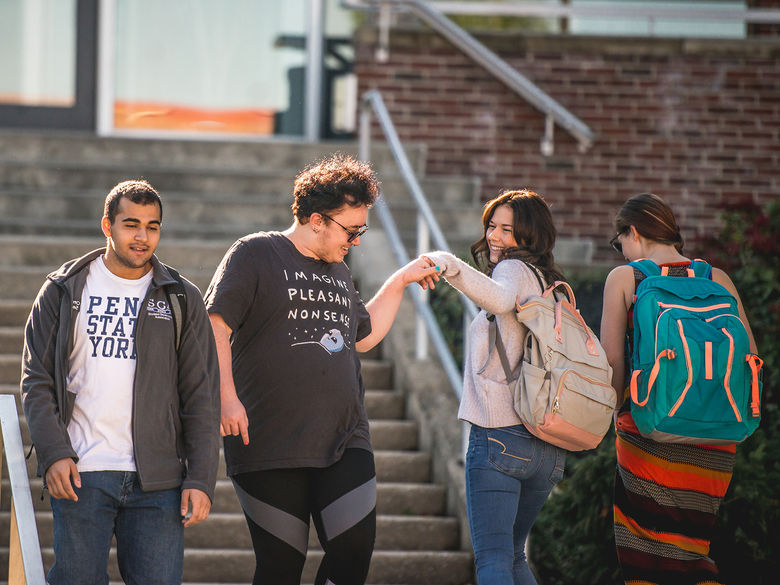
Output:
(331, 183)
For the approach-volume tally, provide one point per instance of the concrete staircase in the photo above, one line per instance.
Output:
(51, 194)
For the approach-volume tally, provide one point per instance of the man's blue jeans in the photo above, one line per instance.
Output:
(148, 528)
(509, 474)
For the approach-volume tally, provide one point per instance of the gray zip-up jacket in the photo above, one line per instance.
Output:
(175, 418)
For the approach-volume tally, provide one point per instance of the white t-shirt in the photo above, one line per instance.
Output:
(102, 370)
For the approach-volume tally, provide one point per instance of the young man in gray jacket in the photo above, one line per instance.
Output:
(123, 408)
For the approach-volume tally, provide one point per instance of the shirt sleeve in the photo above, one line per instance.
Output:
(235, 283)
(363, 320)
(511, 280)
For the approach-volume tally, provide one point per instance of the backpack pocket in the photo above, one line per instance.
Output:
(532, 394)
(699, 386)
(584, 402)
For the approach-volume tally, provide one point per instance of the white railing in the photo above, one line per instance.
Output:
(427, 228)
(648, 10)
(513, 79)
(25, 566)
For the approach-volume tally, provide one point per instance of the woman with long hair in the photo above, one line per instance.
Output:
(509, 471)
(666, 494)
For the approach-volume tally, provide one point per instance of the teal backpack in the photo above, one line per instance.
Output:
(694, 379)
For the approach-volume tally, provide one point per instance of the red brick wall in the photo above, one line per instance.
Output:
(763, 29)
(696, 121)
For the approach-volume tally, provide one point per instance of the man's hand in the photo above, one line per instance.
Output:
(234, 420)
(422, 270)
(195, 506)
(61, 476)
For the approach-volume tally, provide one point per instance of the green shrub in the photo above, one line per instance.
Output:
(748, 249)
(572, 542)
(447, 306)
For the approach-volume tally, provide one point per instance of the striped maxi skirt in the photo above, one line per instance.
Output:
(666, 500)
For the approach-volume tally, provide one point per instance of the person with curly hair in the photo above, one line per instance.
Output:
(288, 323)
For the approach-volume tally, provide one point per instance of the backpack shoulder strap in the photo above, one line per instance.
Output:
(177, 300)
(535, 270)
(701, 269)
(646, 267)
(495, 342)
(494, 337)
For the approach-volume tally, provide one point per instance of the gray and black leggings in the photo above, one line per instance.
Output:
(341, 500)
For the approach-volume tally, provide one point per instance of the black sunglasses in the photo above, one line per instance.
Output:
(615, 242)
(352, 235)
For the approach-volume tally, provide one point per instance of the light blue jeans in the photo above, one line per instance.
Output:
(148, 528)
(509, 474)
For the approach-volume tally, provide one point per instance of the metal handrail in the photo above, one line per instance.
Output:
(510, 77)
(541, 10)
(372, 103)
(708, 12)
(23, 517)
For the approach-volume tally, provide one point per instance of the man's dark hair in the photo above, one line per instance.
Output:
(331, 183)
(137, 191)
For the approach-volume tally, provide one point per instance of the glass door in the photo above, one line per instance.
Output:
(207, 67)
(47, 63)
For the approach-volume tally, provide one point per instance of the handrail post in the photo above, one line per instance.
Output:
(25, 565)
(315, 51)
(364, 132)
(372, 103)
(382, 53)
(427, 225)
(423, 245)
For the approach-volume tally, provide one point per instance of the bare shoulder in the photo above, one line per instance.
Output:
(621, 277)
(619, 287)
(722, 278)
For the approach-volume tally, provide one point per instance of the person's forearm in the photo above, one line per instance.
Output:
(382, 308)
(227, 388)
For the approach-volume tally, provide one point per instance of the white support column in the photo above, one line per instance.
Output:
(314, 69)
(106, 67)
(382, 53)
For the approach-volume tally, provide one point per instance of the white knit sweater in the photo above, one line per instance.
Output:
(487, 399)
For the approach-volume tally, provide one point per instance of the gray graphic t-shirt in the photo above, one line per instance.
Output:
(295, 321)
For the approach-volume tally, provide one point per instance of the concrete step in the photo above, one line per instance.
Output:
(396, 499)
(14, 312)
(208, 179)
(10, 369)
(24, 282)
(238, 566)
(377, 374)
(49, 252)
(380, 405)
(384, 404)
(11, 340)
(229, 531)
(180, 210)
(391, 466)
(397, 466)
(389, 435)
(291, 154)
